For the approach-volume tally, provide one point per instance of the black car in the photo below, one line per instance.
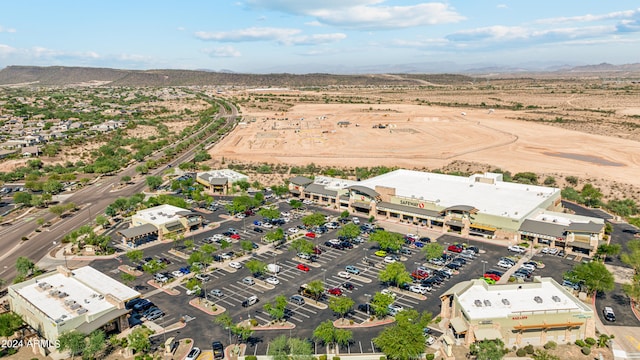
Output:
(132, 303)
(258, 230)
(218, 350)
(447, 257)
(347, 245)
(442, 274)
(453, 266)
(328, 244)
(218, 258)
(460, 260)
(366, 308)
(348, 286)
(425, 239)
(473, 248)
(431, 281)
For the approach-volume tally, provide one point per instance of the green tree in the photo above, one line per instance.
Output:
(315, 288)
(154, 182)
(256, 266)
(302, 245)
(135, 256)
(401, 342)
(52, 186)
(591, 195)
(138, 339)
(276, 309)
(488, 349)
(296, 204)
(632, 255)
(224, 320)
(278, 348)
(387, 240)
(208, 249)
(573, 180)
(127, 278)
(243, 333)
(299, 349)
(341, 305)
(10, 322)
(258, 197)
(329, 335)
(73, 341)
(395, 274)
(95, 344)
(57, 210)
(125, 179)
(102, 220)
(350, 231)
(605, 250)
(593, 275)
(24, 266)
(345, 214)
(433, 250)
(315, 219)
(22, 198)
(142, 169)
(246, 245)
(541, 354)
(273, 236)
(280, 190)
(380, 303)
(269, 213)
(154, 266)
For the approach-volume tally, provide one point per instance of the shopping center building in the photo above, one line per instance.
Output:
(518, 314)
(479, 205)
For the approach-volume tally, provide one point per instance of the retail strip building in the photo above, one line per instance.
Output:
(479, 205)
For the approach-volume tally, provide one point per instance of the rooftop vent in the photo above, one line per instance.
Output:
(506, 301)
(75, 306)
(44, 286)
(487, 303)
(82, 311)
(62, 294)
(54, 292)
(555, 298)
(538, 299)
(478, 303)
(69, 302)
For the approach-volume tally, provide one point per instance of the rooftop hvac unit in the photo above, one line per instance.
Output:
(478, 303)
(81, 311)
(506, 301)
(62, 294)
(69, 302)
(487, 303)
(54, 292)
(75, 306)
(555, 298)
(538, 299)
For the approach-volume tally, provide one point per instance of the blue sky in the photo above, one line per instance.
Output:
(301, 36)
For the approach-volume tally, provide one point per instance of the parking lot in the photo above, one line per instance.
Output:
(325, 268)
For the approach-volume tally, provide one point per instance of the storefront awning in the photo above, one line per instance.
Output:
(360, 205)
(294, 191)
(483, 227)
(455, 223)
(459, 325)
(138, 231)
(174, 226)
(487, 334)
(581, 245)
(567, 324)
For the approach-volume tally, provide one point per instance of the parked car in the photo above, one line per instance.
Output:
(235, 265)
(348, 286)
(216, 293)
(304, 256)
(517, 249)
(297, 299)
(352, 269)
(366, 308)
(310, 235)
(344, 275)
(380, 253)
(155, 315)
(394, 309)
(218, 350)
(248, 281)
(492, 276)
(388, 292)
(272, 280)
(389, 260)
(258, 230)
(193, 354)
(250, 301)
(303, 267)
(335, 291)
(455, 248)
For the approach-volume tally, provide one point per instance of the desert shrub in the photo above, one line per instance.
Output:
(550, 345)
(254, 322)
(336, 358)
(430, 356)
(188, 341)
(521, 352)
(250, 357)
(586, 350)
(322, 357)
(383, 357)
(529, 349)
(581, 343)
(590, 341)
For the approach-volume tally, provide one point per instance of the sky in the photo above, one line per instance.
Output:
(307, 36)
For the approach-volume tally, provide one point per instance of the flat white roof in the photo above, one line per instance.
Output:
(503, 199)
(483, 301)
(233, 176)
(334, 183)
(564, 219)
(161, 214)
(85, 289)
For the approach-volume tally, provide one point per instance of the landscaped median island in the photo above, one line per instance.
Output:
(169, 291)
(271, 325)
(207, 306)
(372, 321)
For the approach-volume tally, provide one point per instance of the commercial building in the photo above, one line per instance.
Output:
(82, 299)
(518, 314)
(479, 205)
(219, 181)
(158, 222)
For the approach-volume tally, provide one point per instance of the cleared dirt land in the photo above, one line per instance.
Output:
(419, 136)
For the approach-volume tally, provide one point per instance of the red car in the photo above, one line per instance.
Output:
(335, 291)
(303, 267)
(311, 235)
(455, 248)
(317, 251)
(235, 236)
(492, 276)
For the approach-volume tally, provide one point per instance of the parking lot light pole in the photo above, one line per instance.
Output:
(483, 266)
(324, 276)
(229, 328)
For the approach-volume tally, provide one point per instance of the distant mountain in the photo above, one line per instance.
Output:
(403, 74)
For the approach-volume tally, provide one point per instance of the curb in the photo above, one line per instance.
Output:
(366, 324)
(219, 309)
(168, 291)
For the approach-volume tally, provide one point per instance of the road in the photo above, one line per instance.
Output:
(93, 199)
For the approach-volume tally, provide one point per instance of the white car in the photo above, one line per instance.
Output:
(417, 289)
(356, 220)
(335, 241)
(272, 281)
(344, 275)
(504, 265)
(388, 292)
(235, 265)
(430, 340)
(307, 202)
(394, 309)
(177, 273)
(194, 290)
(193, 354)
(267, 225)
(528, 267)
(285, 214)
(517, 249)
(304, 256)
(241, 215)
(389, 260)
(293, 230)
(553, 251)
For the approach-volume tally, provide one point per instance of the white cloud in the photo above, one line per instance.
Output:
(180, 28)
(502, 6)
(6, 50)
(365, 14)
(315, 39)
(7, 30)
(591, 18)
(313, 23)
(248, 34)
(223, 51)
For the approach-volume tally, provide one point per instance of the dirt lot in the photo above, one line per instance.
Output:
(419, 136)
